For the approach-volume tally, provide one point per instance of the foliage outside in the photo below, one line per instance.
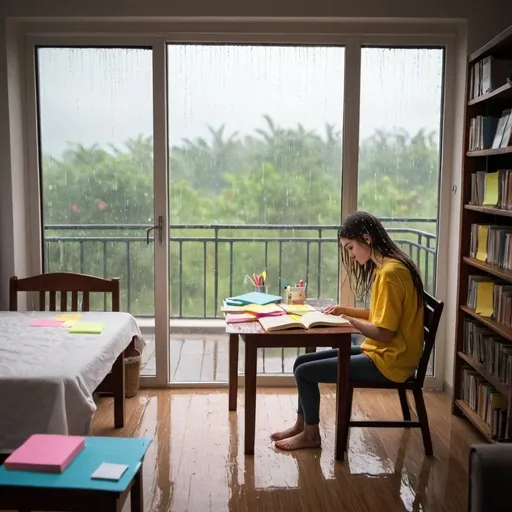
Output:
(288, 178)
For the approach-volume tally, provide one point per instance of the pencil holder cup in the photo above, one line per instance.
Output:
(261, 289)
(295, 295)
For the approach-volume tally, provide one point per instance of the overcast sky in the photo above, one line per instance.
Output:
(104, 96)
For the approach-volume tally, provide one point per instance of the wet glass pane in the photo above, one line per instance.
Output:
(400, 148)
(96, 145)
(255, 183)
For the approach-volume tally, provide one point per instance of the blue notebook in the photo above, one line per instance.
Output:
(252, 298)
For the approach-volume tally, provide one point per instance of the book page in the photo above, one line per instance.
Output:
(275, 323)
(317, 318)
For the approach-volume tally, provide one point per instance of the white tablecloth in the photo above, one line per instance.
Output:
(48, 376)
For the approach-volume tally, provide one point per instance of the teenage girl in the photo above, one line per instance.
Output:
(392, 327)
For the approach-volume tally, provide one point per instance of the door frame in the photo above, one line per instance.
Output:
(326, 31)
(160, 172)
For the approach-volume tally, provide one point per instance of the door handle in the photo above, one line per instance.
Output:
(158, 226)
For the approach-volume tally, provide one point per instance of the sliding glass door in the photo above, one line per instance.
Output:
(400, 148)
(255, 184)
(236, 157)
(95, 112)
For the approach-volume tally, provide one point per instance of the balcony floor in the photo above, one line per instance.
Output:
(204, 358)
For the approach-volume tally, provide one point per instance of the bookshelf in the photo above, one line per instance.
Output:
(482, 386)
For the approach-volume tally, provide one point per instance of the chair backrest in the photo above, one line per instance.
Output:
(63, 283)
(432, 310)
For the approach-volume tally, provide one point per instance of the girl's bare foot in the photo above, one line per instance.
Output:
(304, 439)
(290, 432)
(285, 434)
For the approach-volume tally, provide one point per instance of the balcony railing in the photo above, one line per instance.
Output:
(208, 261)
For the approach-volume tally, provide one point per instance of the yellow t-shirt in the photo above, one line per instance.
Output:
(394, 306)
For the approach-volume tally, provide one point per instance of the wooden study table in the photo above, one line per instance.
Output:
(255, 337)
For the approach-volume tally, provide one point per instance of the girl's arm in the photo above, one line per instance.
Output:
(364, 314)
(361, 313)
(371, 331)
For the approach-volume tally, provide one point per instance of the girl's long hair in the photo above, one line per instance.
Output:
(361, 277)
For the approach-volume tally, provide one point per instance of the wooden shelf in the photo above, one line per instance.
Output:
(480, 368)
(503, 92)
(489, 160)
(502, 330)
(489, 210)
(502, 273)
(500, 46)
(472, 416)
(490, 152)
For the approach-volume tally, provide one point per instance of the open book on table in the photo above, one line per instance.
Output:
(306, 321)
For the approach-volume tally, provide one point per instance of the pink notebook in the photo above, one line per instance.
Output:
(46, 323)
(237, 318)
(46, 453)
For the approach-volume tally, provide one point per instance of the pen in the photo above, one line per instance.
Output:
(251, 280)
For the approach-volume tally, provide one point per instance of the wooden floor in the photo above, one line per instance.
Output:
(196, 460)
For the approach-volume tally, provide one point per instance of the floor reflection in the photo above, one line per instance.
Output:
(196, 461)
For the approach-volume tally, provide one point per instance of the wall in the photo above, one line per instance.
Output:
(6, 225)
(484, 21)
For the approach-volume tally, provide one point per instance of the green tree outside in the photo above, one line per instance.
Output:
(284, 177)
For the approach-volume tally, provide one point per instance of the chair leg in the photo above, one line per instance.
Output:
(423, 419)
(348, 405)
(402, 394)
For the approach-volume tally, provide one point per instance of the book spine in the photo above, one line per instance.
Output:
(72, 456)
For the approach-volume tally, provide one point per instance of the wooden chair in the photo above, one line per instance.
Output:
(63, 283)
(433, 309)
(77, 285)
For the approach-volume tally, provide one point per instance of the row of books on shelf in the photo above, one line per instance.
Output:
(491, 298)
(492, 189)
(490, 132)
(488, 74)
(491, 244)
(487, 348)
(485, 401)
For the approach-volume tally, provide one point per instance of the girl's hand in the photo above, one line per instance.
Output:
(348, 319)
(334, 310)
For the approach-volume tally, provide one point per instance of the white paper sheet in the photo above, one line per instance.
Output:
(109, 471)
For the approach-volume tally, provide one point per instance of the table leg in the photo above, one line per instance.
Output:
(250, 394)
(119, 391)
(342, 396)
(137, 492)
(233, 371)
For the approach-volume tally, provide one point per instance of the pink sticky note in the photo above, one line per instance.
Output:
(46, 323)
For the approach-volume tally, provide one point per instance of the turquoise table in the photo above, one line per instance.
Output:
(74, 490)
